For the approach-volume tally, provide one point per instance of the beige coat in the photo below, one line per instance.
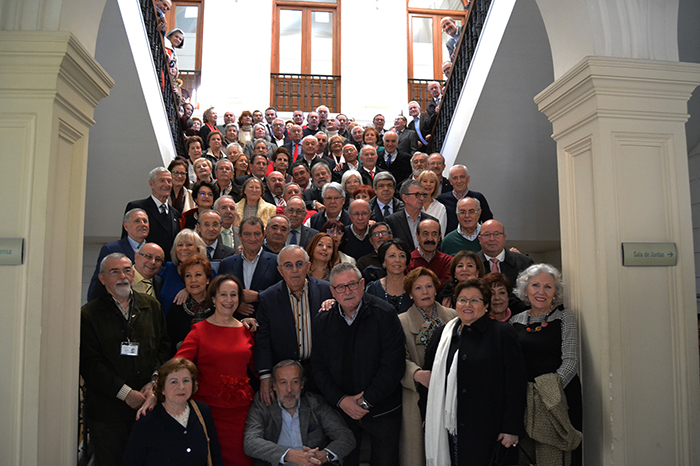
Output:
(411, 449)
(265, 210)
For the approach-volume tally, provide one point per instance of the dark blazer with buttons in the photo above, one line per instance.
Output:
(222, 251)
(400, 167)
(305, 237)
(399, 225)
(265, 274)
(408, 141)
(376, 212)
(276, 337)
(162, 228)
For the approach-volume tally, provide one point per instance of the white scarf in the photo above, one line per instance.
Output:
(441, 412)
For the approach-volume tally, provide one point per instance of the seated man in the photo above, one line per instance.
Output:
(300, 429)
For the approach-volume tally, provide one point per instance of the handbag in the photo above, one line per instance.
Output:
(204, 426)
(498, 460)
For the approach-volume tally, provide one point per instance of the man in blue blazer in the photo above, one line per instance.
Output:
(285, 314)
(255, 267)
(136, 226)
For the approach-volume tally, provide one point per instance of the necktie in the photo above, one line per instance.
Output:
(210, 251)
(296, 152)
(386, 212)
(149, 287)
(163, 209)
(388, 160)
(226, 237)
(494, 265)
(280, 201)
(371, 174)
(294, 237)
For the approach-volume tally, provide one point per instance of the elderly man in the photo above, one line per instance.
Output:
(379, 233)
(357, 243)
(209, 229)
(123, 342)
(257, 117)
(427, 254)
(311, 127)
(322, 151)
(254, 266)
(334, 200)
(496, 257)
(332, 127)
(293, 145)
(378, 122)
(436, 164)
(320, 175)
(368, 158)
(135, 224)
(276, 233)
(384, 203)
(408, 138)
(343, 126)
(224, 178)
(404, 223)
(435, 99)
(298, 117)
(466, 237)
(395, 161)
(301, 174)
(359, 361)
(310, 147)
(226, 207)
(163, 219)
(322, 111)
(298, 232)
(275, 189)
(285, 316)
(450, 28)
(270, 115)
(419, 163)
(149, 261)
(422, 123)
(350, 154)
(279, 138)
(229, 119)
(459, 179)
(301, 429)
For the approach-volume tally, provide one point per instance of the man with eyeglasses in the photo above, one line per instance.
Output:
(123, 342)
(209, 229)
(369, 265)
(279, 137)
(136, 225)
(149, 261)
(459, 180)
(356, 234)
(378, 122)
(299, 233)
(359, 361)
(427, 254)
(285, 315)
(334, 200)
(466, 237)
(254, 266)
(497, 258)
(404, 223)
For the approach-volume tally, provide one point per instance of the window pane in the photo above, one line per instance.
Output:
(422, 47)
(437, 4)
(186, 19)
(321, 42)
(290, 41)
(445, 38)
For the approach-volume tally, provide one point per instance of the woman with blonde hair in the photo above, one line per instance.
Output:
(431, 185)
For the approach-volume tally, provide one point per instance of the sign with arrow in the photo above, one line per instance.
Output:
(649, 254)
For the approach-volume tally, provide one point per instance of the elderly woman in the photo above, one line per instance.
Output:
(476, 395)
(323, 256)
(350, 181)
(180, 195)
(335, 149)
(203, 193)
(203, 169)
(336, 230)
(241, 165)
(230, 134)
(187, 243)
(419, 322)
(209, 118)
(196, 272)
(548, 335)
(215, 141)
(501, 291)
(178, 430)
(252, 204)
(394, 256)
(364, 192)
(280, 162)
(431, 185)
(356, 135)
(259, 133)
(233, 150)
(193, 146)
(465, 264)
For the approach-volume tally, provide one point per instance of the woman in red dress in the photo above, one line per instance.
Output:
(222, 348)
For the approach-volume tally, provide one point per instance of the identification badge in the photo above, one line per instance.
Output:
(130, 348)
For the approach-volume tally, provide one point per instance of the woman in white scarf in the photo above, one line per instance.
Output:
(476, 398)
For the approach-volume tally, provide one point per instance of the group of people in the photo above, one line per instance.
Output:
(282, 307)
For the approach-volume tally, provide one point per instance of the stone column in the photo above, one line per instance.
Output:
(623, 177)
(49, 87)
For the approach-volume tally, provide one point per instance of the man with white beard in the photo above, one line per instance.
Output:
(123, 341)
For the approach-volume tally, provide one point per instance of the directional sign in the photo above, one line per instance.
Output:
(11, 251)
(649, 254)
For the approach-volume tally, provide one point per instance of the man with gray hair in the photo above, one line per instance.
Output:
(384, 203)
(295, 211)
(359, 361)
(123, 342)
(466, 236)
(163, 219)
(459, 179)
(320, 175)
(226, 207)
(334, 200)
(285, 315)
(405, 222)
(276, 232)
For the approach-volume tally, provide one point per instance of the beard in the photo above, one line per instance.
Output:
(122, 288)
(291, 404)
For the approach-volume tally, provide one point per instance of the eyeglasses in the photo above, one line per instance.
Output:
(114, 273)
(205, 194)
(352, 286)
(491, 235)
(469, 212)
(377, 234)
(150, 257)
(472, 302)
(293, 265)
(360, 214)
(334, 232)
(418, 195)
(179, 174)
(248, 234)
(295, 211)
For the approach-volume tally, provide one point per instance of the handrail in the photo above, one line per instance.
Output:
(160, 61)
(464, 53)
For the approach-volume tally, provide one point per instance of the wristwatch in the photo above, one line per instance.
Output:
(364, 404)
(328, 457)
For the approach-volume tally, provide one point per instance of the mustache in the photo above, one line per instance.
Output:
(430, 243)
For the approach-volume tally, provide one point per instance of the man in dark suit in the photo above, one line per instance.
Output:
(424, 126)
(459, 179)
(274, 189)
(435, 99)
(396, 162)
(294, 144)
(163, 219)
(136, 226)
(285, 315)
(404, 223)
(270, 440)
(499, 259)
(320, 175)
(384, 203)
(258, 167)
(408, 139)
(276, 233)
(369, 158)
(209, 229)
(436, 164)
(356, 242)
(334, 200)
(450, 28)
(256, 268)
(299, 234)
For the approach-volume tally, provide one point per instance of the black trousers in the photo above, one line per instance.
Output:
(383, 432)
(109, 440)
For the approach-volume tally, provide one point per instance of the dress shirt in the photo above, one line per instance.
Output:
(351, 319)
(249, 268)
(134, 245)
(361, 238)
(413, 225)
(294, 232)
(278, 142)
(158, 204)
(391, 157)
(302, 320)
(472, 237)
(141, 285)
(227, 236)
(290, 435)
(381, 207)
(355, 167)
(501, 257)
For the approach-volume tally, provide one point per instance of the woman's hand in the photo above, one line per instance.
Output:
(250, 323)
(181, 297)
(327, 305)
(422, 377)
(147, 406)
(507, 440)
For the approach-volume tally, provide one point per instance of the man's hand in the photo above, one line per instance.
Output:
(181, 297)
(350, 406)
(327, 305)
(507, 440)
(422, 377)
(147, 406)
(301, 458)
(135, 399)
(246, 309)
(250, 323)
(266, 392)
(318, 454)
(319, 207)
(250, 296)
